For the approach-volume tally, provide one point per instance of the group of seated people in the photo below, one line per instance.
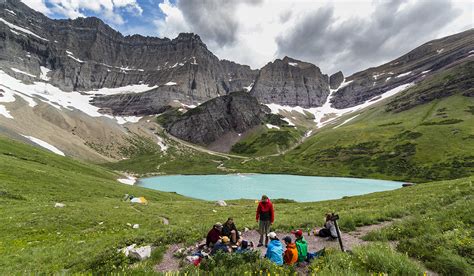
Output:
(227, 239)
(295, 252)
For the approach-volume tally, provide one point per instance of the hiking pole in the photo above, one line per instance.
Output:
(335, 218)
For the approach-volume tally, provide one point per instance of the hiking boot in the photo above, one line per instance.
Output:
(260, 245)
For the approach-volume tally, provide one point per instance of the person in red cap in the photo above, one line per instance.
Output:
(265, 217)
(301, 245)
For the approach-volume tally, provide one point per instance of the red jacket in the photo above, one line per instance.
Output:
(265, 211)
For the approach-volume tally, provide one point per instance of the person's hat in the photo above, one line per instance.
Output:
(218, 225)
(297, 233)
(287, 239)
(272, 235)
(225, 239)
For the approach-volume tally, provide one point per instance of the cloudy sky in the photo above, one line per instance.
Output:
(334, 34)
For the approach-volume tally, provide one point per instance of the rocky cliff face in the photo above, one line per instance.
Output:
(236, 112)
(425, 60)
(85, 54)
(291, 82)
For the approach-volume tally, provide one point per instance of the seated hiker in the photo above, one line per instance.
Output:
(301, 245)
(230, 231)
(214, 235)
(329, 229)
(274, 249)
(245, 246)
(222, 245)
(290, 256)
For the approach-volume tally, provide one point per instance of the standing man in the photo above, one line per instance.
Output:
(265, 217)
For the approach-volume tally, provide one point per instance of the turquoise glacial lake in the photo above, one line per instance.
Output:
(252, 186)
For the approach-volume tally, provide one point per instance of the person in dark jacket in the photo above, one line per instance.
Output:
(231, 231)
(214, 235)
(265, 217)
(329, 229)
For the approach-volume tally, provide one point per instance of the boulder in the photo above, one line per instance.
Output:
(141, 253)
(221, 203)
(59, 205)
(136, 226)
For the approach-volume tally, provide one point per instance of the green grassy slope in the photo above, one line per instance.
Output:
(84, 235)
(431, 140)
(268, 141)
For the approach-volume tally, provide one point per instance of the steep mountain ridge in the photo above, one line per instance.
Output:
(424, 60)
(291, 82)
(86, 54)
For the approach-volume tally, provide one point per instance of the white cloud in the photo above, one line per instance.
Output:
(259, 26)
(109, 10)
(37, 5)
(173, 23)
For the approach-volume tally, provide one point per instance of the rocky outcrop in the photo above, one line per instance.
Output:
(336, 79)
(425, 60)
(291, 82)
(236, 112)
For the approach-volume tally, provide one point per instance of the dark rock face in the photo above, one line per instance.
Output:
(291, 82)
(85, 54)
(425, 60)
(336, 79)
(236, 112)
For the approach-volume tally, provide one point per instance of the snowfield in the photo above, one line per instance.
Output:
(44, 145)
(326, 114)
(47, 93)
(130, 180)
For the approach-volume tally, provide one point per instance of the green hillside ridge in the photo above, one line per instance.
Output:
(422, 142)
(84, 235)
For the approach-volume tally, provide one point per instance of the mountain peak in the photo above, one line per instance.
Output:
(188, 36)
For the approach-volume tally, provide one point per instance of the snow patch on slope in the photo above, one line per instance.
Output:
(44, 73)
(270, 126)
(21, 29)
(55, 97)
(71, 55)
(134, 88)
(404, 74)
(130, 180)
(4, 112)
(45, 145)
(346, 121)
(23, 72)
(326, 114)
(248, 88)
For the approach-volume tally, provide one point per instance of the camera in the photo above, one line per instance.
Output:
(334, 217)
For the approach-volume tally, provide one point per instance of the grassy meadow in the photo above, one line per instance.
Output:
(84, 235)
